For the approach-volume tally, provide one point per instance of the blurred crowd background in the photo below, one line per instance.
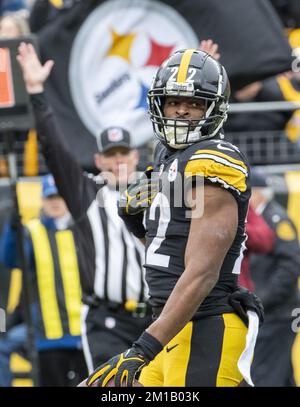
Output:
(264, 122)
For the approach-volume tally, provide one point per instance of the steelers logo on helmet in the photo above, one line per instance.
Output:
(190, 74)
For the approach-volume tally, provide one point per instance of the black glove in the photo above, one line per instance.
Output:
(242, 300)
(126, 367)
(139, 195)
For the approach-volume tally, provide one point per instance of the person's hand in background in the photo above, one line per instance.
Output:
(34, 73)
(211, 48)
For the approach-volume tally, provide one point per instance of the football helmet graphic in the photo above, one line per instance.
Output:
(195, 74)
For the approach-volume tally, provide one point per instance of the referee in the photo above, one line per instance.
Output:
(113, 285)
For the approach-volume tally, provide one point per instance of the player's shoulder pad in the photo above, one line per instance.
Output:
(159, 152)
(219, 162)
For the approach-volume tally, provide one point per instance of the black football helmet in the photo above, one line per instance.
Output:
(189, 73)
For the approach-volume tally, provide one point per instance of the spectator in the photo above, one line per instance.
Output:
(13, 25)
(52, 256)
(275, 276)
(268, 90)
(260, 240)
(9, 6)
(44, 11)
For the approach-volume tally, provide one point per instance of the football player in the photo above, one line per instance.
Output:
(198, 337)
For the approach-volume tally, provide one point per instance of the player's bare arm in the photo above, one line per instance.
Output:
(212, 233)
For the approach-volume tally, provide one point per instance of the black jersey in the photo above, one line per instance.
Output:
(167, 221)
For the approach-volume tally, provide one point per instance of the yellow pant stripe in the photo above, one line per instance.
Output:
(46, 280)
(184, 65)
(234, 342)
(169, 369)
(70, 278)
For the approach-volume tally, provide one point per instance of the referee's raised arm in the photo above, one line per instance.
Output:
(69, 177)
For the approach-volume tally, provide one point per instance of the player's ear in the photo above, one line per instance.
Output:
(98, 161)
(135, 156)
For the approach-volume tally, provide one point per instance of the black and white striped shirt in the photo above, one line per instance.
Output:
(118, 274)
(110, 257)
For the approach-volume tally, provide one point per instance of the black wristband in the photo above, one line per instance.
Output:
(134, 223)
(149, 345)
(39, 101)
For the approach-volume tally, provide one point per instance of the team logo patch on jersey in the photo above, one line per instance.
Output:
(173, 171)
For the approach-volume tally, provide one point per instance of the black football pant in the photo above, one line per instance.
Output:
(61, 367)
(107, 332)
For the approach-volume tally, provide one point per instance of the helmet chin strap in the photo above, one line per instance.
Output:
(176, 132)
(180, 129)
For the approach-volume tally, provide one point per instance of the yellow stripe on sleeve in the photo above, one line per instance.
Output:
(222, 155)
(216, 172)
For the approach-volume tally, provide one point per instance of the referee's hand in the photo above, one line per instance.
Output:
(34, 73)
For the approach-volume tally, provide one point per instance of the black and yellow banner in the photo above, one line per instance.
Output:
(252, 47)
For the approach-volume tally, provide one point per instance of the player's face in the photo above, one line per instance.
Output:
(120, 162)
(187, 108)
(54, 207)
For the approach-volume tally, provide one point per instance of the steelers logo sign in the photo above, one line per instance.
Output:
(114, 58)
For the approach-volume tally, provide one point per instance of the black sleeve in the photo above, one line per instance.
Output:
(39, 15)
(134, 223)
(70, 180)
(285, 276)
